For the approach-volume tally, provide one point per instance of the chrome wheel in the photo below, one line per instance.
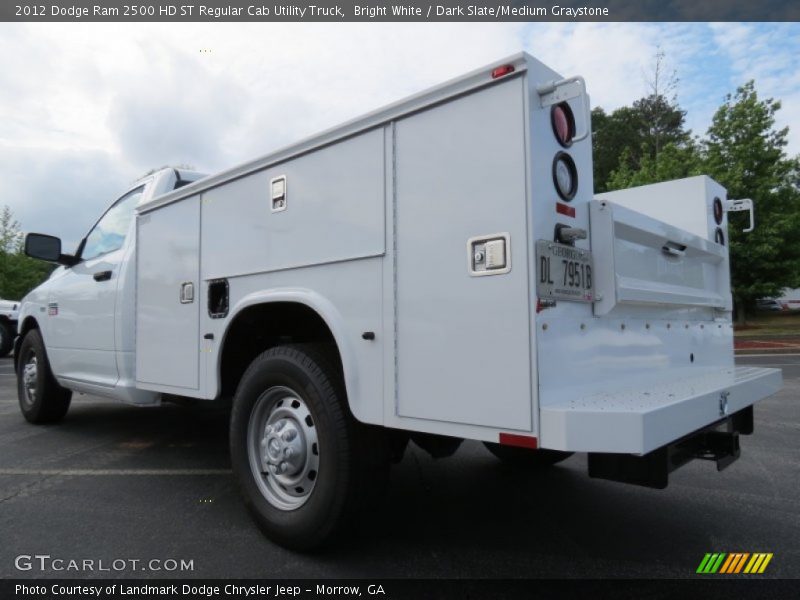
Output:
(29, 379)
(283, 448)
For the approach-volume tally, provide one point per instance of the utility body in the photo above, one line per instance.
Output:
(437, 270)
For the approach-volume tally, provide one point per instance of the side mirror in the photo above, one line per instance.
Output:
(47, 247)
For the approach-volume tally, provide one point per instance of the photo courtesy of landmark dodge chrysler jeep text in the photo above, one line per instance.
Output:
(433, 271)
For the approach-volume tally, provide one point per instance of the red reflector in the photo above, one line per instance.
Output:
(524, 441)
(718, 213)
(504, 70)
(563, 122)
(563, 209)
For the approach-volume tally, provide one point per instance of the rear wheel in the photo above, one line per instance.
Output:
(527, 457)
(6, 338)
(41, 398)
(305, 466)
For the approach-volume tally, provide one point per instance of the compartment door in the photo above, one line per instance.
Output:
(641, 261)
(463, 340)
(167, 302)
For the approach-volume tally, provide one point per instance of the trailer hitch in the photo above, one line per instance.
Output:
(653, 469)
(721, 447)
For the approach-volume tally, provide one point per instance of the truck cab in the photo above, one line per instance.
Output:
(85, 310)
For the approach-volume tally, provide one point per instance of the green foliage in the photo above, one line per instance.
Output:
(633, 138)
(673, 162)
(18, 273)
(746, 154)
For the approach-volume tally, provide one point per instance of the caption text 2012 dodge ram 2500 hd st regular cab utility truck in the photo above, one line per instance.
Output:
(434, 271)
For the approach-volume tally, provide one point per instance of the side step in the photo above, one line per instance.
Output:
(653, 469)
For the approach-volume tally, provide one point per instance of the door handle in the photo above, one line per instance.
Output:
(102, 276)
(673, 249)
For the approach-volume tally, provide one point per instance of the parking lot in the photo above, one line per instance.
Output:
(116, 482)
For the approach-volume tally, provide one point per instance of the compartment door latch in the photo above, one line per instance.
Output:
(489, 254)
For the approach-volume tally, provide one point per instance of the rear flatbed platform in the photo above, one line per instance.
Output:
(637, 420)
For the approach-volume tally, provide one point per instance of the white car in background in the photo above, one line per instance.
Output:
(769, 305)
(8, 325)
(790, 299)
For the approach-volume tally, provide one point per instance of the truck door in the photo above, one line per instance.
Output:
(463, 340)
(81, 307)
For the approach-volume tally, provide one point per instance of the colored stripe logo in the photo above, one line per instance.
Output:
(734, 562)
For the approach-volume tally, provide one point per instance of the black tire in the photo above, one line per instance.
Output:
(352, 458)
(6, 338)
(49, 401)
(527, 458)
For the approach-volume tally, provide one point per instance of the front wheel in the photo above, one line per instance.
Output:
(305, 466)
(41, 398)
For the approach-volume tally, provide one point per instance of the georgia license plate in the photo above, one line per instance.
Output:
(563, 272)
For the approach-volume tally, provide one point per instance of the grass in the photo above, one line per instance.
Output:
(769, 324)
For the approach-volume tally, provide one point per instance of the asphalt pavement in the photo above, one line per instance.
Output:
(118, 483)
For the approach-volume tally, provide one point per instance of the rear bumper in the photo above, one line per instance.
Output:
(718, 442)
(640, 420)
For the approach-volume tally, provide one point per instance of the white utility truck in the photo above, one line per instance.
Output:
(434, 271)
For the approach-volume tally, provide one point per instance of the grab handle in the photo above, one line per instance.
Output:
(548, 93)
(742, 205)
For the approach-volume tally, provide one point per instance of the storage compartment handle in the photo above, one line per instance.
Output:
(548, 94)
(674, 249)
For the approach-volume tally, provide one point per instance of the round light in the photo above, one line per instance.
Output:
(718, 211)
(563, 122)
(565, 176)
(719, 237)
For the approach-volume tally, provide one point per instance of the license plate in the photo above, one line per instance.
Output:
(563, 272)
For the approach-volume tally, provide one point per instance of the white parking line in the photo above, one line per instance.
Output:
(95, 472)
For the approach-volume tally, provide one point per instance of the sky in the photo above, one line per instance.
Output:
(87, 108)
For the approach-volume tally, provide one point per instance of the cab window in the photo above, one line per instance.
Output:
(110, 231)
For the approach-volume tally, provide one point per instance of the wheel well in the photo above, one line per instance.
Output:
(262, 326)
(28, 324)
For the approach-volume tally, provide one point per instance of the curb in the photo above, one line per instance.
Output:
(789, 350)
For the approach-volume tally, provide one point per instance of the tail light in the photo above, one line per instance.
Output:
(563, 122)
(565, 176)
(718, 214)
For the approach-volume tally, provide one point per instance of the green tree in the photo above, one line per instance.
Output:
(746, 154)
(613, 137)
(18, 273)
(673, 162)
(632, 137)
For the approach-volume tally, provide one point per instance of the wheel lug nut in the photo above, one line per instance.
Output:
(288, 452)
(284, 466)
(289, 435)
